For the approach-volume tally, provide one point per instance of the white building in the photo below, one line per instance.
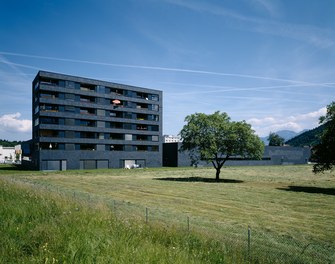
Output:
(10, 154)
(171, 139)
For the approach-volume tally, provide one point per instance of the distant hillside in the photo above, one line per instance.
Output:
(6, 143)
(308, 138)
(285, 134)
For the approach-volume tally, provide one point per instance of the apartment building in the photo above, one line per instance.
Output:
(81, 123)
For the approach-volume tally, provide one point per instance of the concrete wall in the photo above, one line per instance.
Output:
(272, 156)
(56, 160)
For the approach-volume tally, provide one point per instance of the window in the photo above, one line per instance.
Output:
(154, 148)
(128, 126)
(69, 108)
(128, 93)
(141, 106)
(70, 84)
(87, 87)
(88, 123)
(114, 125)
(141, 148)
(88, 164)
(154, 138)
(128, 115)
(91, 147)
(142, 137)
(92, 135)
(154, 97)
(48, 95)
(49, 108)
(142, 127)
(128, 148)
(48, 133)
(114, 147)
(69, 134)
(49, 120)
(101, 101)
(69, 122)
(128, 137)
(154, 107)
(101, 124)
(70, 97)
(116, 136)
(101, 89)
(87, 99)
(153, 128)
(87, 111)
(153, 117)
(101, 112)
(142, 95)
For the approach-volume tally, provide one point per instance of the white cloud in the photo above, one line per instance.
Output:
(297, 123)
(13, 123)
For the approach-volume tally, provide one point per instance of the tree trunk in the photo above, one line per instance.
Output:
(217, 176)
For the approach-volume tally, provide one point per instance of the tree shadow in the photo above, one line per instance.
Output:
(309, 189)
(198, 179)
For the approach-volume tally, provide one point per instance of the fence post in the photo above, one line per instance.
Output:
(249, 241)
(146, 215)
(188, 223)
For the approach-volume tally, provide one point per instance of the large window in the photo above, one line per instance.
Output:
(49, 108)
(114, 147)
(87, 111)
(87, 87)
(88, 123)
(51, 133)
(90, 147)
(50, 120)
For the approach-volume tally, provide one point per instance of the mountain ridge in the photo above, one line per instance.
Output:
(285, 134)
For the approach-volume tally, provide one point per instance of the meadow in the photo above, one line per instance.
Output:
(262, 214)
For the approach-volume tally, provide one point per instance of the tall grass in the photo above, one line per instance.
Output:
(290, 211)
(41, 227)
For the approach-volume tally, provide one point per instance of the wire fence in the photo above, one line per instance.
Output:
(256, 246)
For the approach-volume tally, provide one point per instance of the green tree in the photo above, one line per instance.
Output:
(275, 139)
(215, 138)
(324, 152)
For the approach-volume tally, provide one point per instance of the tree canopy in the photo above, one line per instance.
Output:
(275, 139)
(215, 138)
(324, 152)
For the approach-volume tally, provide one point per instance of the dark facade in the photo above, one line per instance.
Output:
(81, 123)
(285, 155)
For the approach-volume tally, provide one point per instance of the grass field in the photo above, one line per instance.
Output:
(289, 209)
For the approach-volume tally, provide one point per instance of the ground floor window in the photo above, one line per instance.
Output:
(54, 164)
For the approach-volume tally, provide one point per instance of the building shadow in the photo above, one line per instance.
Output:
(198, 179)
(15, 167)
(309, 189)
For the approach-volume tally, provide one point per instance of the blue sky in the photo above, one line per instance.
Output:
(270, 63)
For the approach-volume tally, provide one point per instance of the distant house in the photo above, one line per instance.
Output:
(10, 154)
(171, 139)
